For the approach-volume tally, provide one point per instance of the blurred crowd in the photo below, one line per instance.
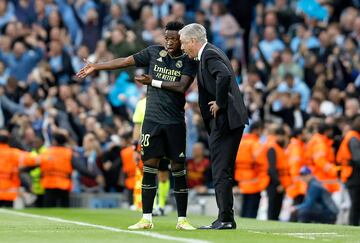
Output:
(297, 63)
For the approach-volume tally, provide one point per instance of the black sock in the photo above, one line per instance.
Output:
(148, 188)
(180, 192)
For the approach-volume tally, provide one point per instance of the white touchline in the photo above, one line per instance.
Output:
(303, 235)
(103, 227)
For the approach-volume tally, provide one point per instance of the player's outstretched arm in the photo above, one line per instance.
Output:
(110, 65)
(180, 87)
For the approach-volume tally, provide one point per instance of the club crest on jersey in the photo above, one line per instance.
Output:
(163, 53)
(179, 64)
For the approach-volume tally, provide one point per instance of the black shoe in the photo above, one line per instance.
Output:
(209, 226)
(225, 226)
(218, 225)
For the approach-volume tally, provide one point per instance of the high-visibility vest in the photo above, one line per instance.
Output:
(10, 160)
(282, 166)
(56, 168)
(296, 159)
(137, 193)
(137, 189)
(321, 158)
(129, 166)
(251, 174)
(35, 174)
(343, 156)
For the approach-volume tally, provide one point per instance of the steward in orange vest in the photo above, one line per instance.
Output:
(129, 166)
(56, 165)
(274, 154)
(296, 159)
(251, 174)
(320, 157)
(11, 159)
(348, 157)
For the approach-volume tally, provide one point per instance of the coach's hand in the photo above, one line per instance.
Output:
(213, 108)
(144, 79)
(86, 71)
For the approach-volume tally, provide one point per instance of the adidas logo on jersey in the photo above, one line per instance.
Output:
(182, 155)
(159, 59)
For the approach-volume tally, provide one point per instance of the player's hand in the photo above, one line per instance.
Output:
(144, 79)
(86, 71)
(213, 108)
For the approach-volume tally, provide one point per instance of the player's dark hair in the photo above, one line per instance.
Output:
(174, 25)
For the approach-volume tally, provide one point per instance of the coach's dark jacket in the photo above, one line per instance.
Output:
(216, 82)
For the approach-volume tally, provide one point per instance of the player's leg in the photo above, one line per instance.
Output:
(151, 150)
(148, 192)
(175, 150)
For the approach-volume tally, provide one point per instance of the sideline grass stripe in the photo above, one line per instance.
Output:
(103, 227)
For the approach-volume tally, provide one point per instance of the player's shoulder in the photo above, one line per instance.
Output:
(157, 50)
(156, 47)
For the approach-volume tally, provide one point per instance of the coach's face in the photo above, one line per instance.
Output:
(187, 45)
(172, 42)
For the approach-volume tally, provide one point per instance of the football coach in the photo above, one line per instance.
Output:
(224, 114)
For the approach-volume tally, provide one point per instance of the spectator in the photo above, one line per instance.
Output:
(288, 66)
(22, 60)
(25, 11)
(198, 169)
(4, 73)
(60, 63)
(93, 30)
(292, 84)
(305, 38)
(224, 28)
(270, 44)
(6, 12)
(352, 108)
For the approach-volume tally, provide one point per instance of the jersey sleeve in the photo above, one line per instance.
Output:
(142, 58)
(190, 68)
(139, 112)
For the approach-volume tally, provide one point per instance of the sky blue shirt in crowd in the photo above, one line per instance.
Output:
(311, 42)
(4, 76)
(70, 21)
(8, 16)
(298, 87)
(21, 67)
(269, 47)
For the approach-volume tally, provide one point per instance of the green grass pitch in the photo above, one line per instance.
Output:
(110, 225)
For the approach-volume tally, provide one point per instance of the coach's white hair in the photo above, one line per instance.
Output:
(194, 31)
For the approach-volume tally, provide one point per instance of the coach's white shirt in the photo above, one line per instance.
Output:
(201, 50)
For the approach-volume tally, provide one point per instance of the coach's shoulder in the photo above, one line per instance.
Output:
(210, 53)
